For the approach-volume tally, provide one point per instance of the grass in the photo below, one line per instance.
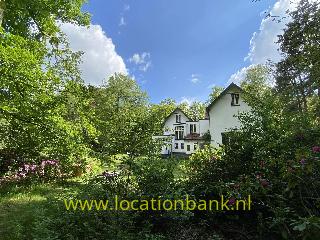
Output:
(24, 208)
(30, 211)
(180, 169)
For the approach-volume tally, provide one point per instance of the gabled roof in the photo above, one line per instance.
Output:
(177, 109)
(232, 85)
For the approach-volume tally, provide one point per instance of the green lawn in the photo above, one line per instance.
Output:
(24, 209)
(30, 211)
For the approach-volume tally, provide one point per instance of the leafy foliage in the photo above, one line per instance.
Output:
(53, 125)
(297, 75)
(216, 90)
(39, 19)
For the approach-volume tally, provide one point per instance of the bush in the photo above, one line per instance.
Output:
(285, 193)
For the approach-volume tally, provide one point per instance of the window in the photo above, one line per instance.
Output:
(178, 118)
(195, 146)
(188, 147)
(182, 145)
(235, 99)
(225, 138)
(179, 130)
(193, 128)
(176, 146)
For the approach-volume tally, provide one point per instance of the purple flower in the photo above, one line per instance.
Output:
(231, 201)
(21, 175)
(33, 167)
(26, 167)
(316, 149)
(49, 162)
(264, 183)
(303, 161)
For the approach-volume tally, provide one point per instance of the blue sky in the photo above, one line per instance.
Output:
(177, 49)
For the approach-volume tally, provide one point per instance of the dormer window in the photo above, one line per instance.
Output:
(178, 118)
(235, 99)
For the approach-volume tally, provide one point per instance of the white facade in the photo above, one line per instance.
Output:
(223, 114)
(184, 136)
(181, 134)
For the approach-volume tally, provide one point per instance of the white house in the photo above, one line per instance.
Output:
(223, 112)
(183, 135)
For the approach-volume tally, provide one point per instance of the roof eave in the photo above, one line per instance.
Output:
(222, 94)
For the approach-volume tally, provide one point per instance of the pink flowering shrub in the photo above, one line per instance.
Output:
(46, 170)
(316, 149)
(285, 189)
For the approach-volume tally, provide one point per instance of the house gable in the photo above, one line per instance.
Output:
(183, 135)
(232, 88)
(223, 112)
(178, 111)
(174, 120)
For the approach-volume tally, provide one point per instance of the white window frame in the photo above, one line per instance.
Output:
(178, 118)
(235, 97)
(179, 132)
(193, 128)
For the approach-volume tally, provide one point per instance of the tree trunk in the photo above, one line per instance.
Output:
(2, 6)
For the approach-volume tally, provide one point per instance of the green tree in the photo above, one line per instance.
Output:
(298, 74)
(42, 110)
(39, 19)
(196, 111)
(256, 84)
(159, 112)
(40, 116)
(121, 111)
(215, 92)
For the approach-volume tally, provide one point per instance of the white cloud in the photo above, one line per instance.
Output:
(188, 100)
(100, 59)
(239, 76)
(135, 58)
(211, 86)
(141, 60)
(145, 66)
(263, 46)
(126, 7)
(195, 78)
(122, 22)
